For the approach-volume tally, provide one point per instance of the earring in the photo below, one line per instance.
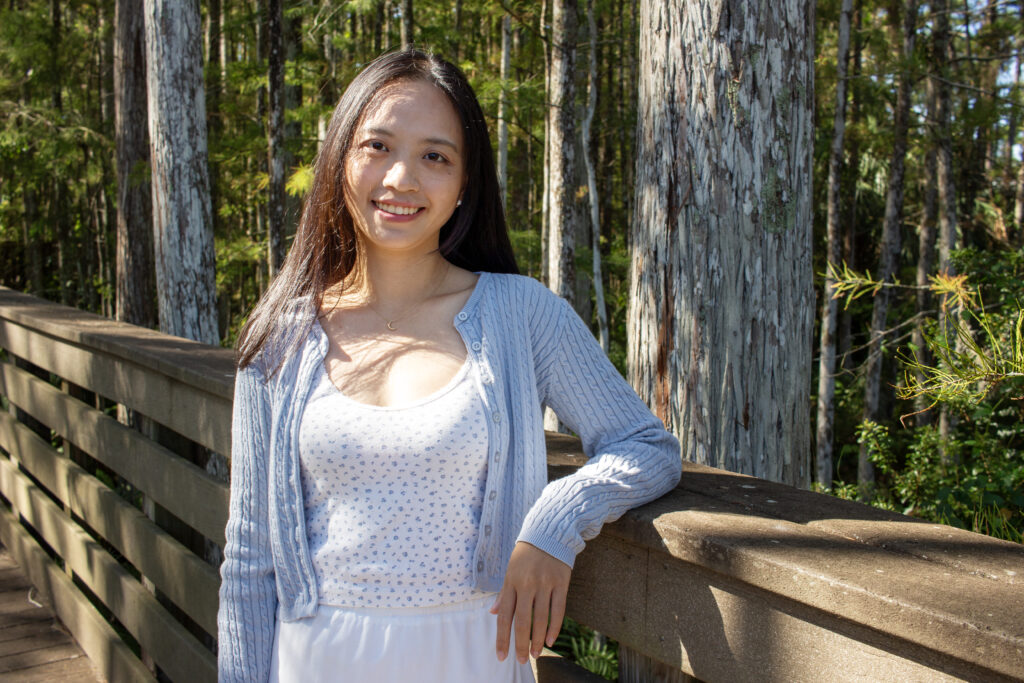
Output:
(458, 203)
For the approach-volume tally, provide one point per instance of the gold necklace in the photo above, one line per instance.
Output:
(391, 322)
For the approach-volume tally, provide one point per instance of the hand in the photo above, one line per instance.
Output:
(534, 582)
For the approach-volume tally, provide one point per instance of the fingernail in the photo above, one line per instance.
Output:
(550, 641)
(501, 655)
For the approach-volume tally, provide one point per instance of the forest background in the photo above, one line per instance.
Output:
(918, 193)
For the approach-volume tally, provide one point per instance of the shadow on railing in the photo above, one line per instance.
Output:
(726, 578)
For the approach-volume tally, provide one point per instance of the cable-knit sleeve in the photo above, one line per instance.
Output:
(632, 459)
(248, 597)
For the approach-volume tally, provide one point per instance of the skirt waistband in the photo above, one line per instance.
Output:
(471, 605)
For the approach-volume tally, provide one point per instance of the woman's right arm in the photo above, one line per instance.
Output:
(248, 596)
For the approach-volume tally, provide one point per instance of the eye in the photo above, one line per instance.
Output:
(377, 146)
(435, 156)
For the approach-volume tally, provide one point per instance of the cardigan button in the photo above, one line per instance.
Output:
(497, 416)
(487, 530)
(463, 315)
(475, 346)
(480, 566)
(494, 494)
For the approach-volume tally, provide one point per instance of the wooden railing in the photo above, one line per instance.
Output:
(727, 578)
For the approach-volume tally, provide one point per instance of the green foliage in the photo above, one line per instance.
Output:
(971, 483)
(582, 645)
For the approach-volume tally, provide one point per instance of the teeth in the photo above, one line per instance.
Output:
(400, 210)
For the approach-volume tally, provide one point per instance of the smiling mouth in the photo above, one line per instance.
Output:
(398, 210)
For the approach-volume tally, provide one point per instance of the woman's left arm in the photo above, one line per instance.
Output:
(632, 460)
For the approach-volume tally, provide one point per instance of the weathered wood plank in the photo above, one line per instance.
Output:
(112, 658)
(72, 670)
(878, 609)
(173, 648)
(184, 489)
(28, 629)
(28, 614)
(39, 656)
(184, 578)
(33, 641)
(126, 361)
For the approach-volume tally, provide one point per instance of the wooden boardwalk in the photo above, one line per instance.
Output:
(34, 646)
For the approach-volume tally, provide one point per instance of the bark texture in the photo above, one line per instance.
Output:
(722, 300)
(506, 58)
(595, 212)
(407, 25)
(946, 185)
(562, 204)
(275, 137)
(890, 246)
(135, 281)
(926, 235)
(182, 228)
(829, 306)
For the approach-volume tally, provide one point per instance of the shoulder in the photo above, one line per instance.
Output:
(524, 294)
(527, 311)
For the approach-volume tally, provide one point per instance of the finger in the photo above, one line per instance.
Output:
(505, 605)
(524, 604)
(541, 609)
(557, 614)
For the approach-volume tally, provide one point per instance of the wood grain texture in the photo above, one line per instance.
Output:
(112, 658)
(171, 646)
(184, 489)
(182, 577)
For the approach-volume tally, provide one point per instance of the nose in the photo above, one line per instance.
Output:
(400, 177)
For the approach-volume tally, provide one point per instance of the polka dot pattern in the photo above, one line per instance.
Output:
(393, 496)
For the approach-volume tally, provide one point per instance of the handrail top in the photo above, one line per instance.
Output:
(208, 368)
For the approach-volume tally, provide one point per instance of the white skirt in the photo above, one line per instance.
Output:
(443, 644)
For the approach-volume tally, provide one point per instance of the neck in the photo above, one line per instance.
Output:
(393, 280)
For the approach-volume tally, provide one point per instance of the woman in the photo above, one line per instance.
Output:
(390, 516)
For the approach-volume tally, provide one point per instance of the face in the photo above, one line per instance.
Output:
(405, 170)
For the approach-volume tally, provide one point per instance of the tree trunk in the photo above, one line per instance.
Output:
(850, 234)
(946, 183)
(407, 26)
(182, 229)
(457, 18)
(926, 234)
(506, 56)
(135, 294)
(595, 218)
(722, 301)
(34, 283)
(378, 28)
(830, 307)
(275, 137)
(564, 216)
(214, 38)
(890, 247)
(545, 201)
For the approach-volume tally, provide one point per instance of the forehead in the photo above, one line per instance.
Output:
(415, 108)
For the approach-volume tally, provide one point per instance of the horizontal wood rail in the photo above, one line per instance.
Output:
(727, 578)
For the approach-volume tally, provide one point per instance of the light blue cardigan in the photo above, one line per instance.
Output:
(529, 348)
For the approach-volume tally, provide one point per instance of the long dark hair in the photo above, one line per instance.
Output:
(325, 250)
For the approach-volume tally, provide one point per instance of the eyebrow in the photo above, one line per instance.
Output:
(433, 141)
